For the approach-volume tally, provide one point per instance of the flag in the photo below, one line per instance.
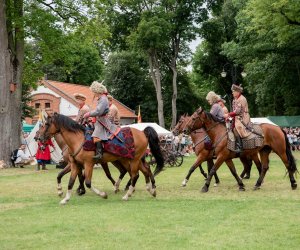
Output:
(139, 118)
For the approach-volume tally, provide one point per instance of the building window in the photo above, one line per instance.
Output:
(37, 105)
(47, 105)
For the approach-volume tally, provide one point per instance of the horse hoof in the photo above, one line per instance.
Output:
(63, 202)
(256, 188)
(242, 189)
(153, 193)
(294, 186)
(81, 192)
(183, 184)
(117, 190)
(216, 184)
(204, 189)
(60, 194)
(125, 198)
(104, 195)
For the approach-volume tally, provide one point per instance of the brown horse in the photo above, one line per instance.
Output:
(73, 135)
(274, 139)
(199, 137)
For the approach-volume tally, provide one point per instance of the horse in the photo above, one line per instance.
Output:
(199, 137)
(274, 138)
(73, 135)
(67, 168)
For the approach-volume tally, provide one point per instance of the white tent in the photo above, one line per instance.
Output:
(31, 145)
(260, 120)
(141, 126)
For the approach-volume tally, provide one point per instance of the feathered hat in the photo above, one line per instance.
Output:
(237, 88)
(98, 87)
(212, 97)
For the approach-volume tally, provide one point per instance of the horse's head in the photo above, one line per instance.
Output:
(180, 125)
(195, 122)
(48, 129)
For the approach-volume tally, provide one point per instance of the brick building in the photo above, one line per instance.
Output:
(58, 97)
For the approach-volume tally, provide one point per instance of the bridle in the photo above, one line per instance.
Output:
(47, 126)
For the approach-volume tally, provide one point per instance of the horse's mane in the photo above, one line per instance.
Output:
(67, 123)
(214, 118)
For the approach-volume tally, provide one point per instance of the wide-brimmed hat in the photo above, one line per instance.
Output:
(98, 87)
(237, 88)
(212, 97)
(78, 96)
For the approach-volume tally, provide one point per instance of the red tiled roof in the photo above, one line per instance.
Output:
(67, 91)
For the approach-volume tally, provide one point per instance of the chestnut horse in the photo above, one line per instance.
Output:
(73, 135)
(274, 139)
(198, 137)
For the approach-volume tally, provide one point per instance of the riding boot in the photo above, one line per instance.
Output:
(99, 151)
(238, 144)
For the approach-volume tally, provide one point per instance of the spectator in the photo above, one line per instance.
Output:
(43, 156)
(22, 158)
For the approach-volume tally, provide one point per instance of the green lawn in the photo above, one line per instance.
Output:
(179, 218)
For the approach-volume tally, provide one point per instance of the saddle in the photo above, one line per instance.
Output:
(121, 144)
(254, 140)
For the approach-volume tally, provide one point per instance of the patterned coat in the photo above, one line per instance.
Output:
(241, 114)
(113, 115)
(100, 113)
(84, 109)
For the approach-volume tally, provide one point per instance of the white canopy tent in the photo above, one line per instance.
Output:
(261, 120)
(141, 126)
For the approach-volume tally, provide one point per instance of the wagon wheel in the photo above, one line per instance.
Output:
(178, 160)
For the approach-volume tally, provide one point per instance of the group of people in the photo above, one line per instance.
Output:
(239, 114)
(105, 120)
(293, 135)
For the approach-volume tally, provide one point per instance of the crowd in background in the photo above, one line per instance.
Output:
(181, 143)
(293, 135)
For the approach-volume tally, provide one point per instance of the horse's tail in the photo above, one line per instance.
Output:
(153, 140)
(291, 159)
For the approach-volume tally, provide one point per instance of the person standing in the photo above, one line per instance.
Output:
(240, 114)
(43, 156)
(216, 109)
(83, 108)
(103, 127)
(113, 114)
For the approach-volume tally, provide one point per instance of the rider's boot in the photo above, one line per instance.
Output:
(238, 144)
(99, 151)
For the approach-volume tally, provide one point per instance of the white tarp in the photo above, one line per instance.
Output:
(260, 120)
(32, 145)
(141, 126)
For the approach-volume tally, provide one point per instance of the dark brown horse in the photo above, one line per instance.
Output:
(73, 135)
(199, 137)
(274, 139)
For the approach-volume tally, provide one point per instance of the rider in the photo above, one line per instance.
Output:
(240, 114)
(103, 127)
(113, 114)
(83, 108)
(222, 104)
(216, 109)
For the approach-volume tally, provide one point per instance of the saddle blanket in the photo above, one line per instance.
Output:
(122, 144)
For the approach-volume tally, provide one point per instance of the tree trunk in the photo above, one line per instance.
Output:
(156, 78)
(11, 65)
(174, 96)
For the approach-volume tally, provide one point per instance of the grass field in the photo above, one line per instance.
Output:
(179, 218)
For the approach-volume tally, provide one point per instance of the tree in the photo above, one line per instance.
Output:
(268, 44)
(12, 34)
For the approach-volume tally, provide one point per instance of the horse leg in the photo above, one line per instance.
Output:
(192, 169)
(210, 164)
(61, 174)
(107, 172)
(81, 189)
(264, 156)
(74, 173)
(88, 172)
(232, 169)
(247, 163)
(151, 188)
(134, 168)
(122, 171)
(257, 163)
